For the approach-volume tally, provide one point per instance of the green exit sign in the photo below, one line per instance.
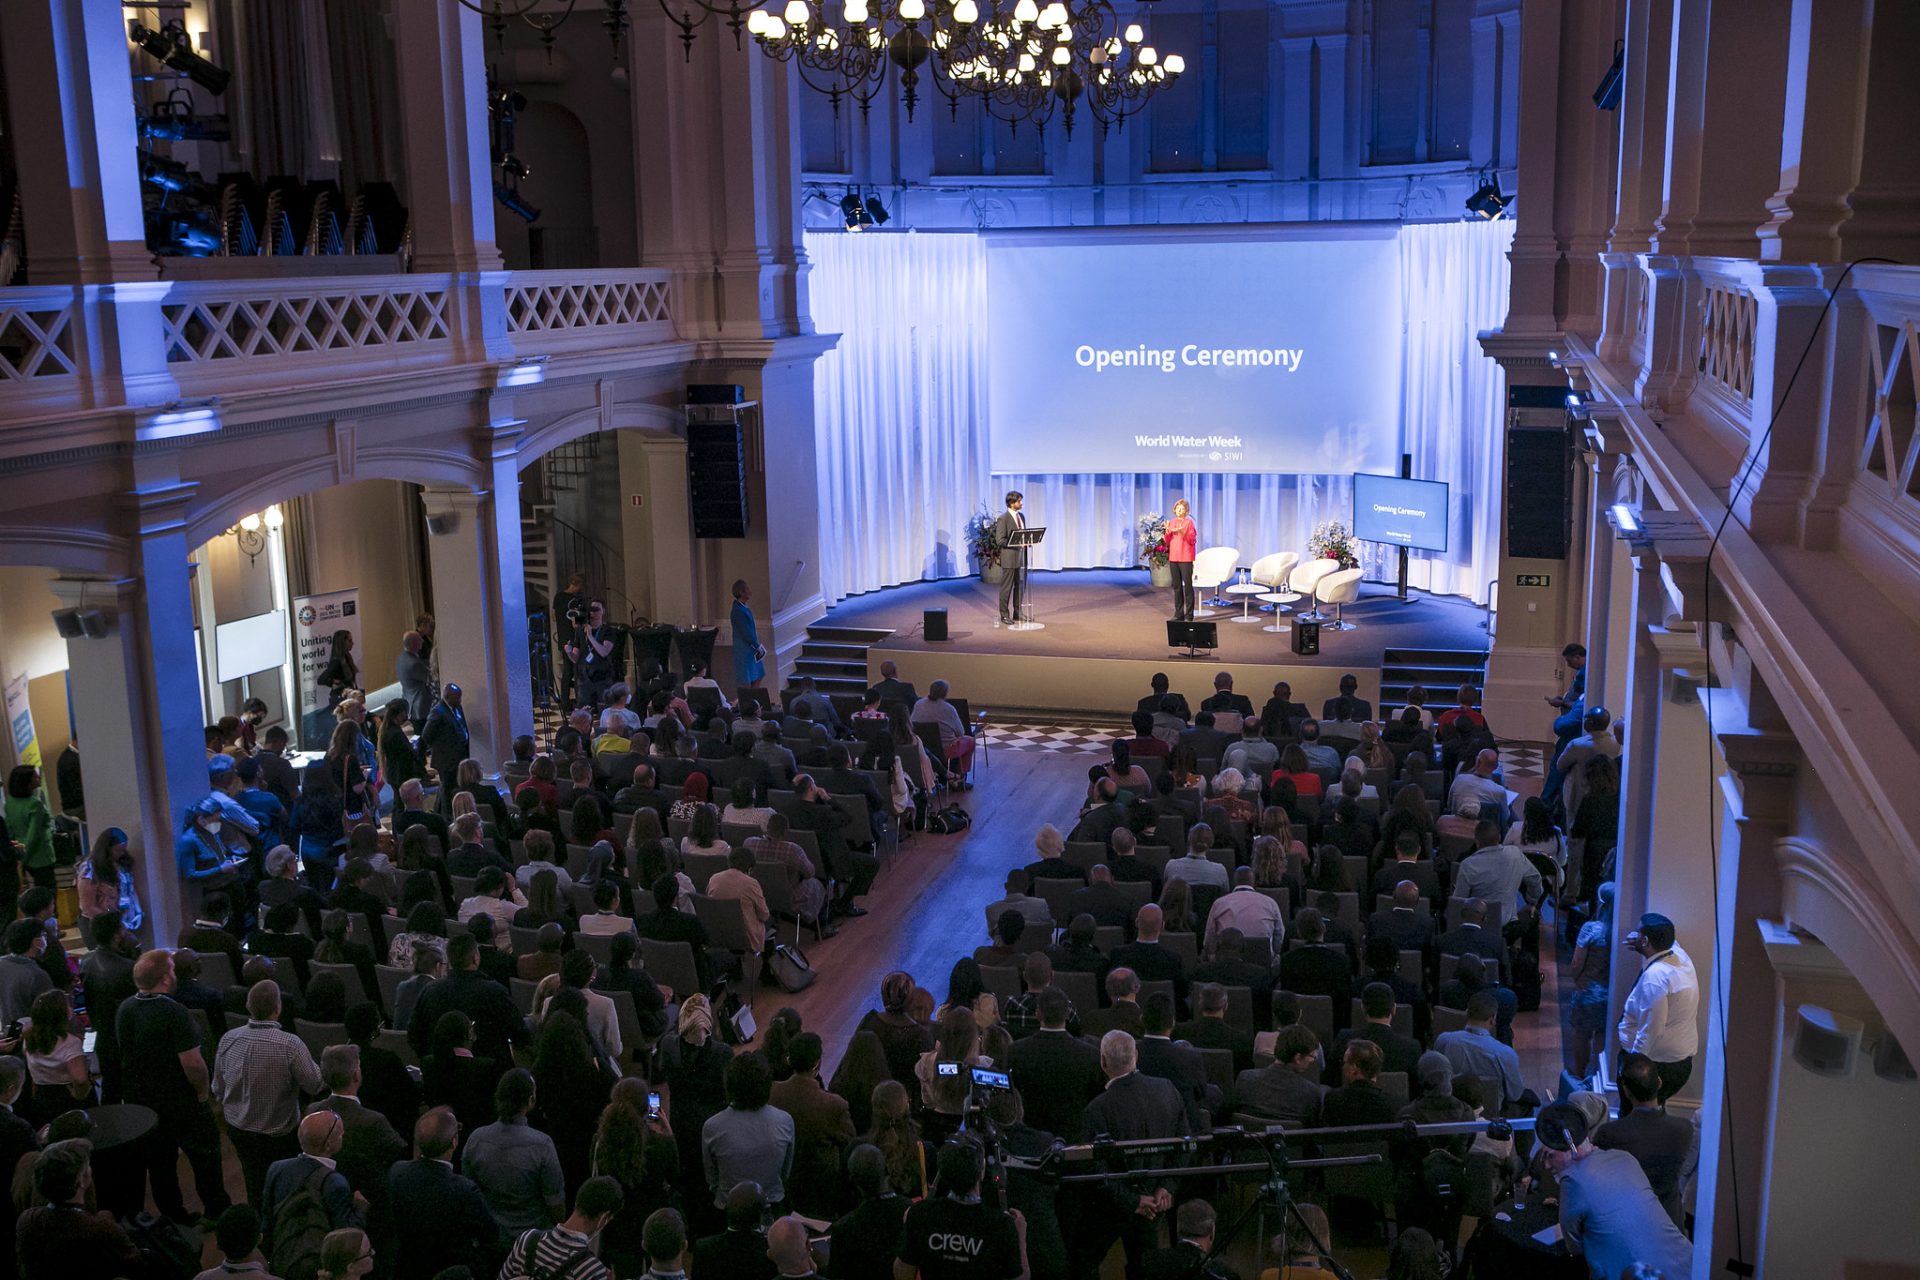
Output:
(1532, 579)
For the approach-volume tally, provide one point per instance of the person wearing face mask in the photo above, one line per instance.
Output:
(105, 881)
(202, 856)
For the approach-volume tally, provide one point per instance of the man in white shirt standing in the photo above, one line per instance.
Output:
(1661, 1019)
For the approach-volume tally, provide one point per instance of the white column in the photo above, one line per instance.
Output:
(1728, 103)
(1288, 136)
(1643, 123)
(136, 704)
(480, 603)
(1482, 134)
(440, 47)
(66, 69)
(1742, 1011)
(1827, 57)
(1332, 151)
(1536, 250)
(1886, 197)
(1601, 465)
(1638, 770)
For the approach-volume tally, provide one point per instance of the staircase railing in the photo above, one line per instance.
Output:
(576, 551)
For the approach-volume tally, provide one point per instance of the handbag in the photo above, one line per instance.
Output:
(736, 1020)
(790, 968)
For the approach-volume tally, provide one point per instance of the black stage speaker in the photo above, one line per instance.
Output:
(933, 624)
(1194, 635)
(715, 393)
(1539, 492)
(1306, 638)
(717, 479)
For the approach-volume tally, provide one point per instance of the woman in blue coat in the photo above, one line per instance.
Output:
(748, 669)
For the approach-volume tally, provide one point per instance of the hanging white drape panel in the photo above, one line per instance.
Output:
(901, 404)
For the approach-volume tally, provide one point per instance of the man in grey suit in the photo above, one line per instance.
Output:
(1011, 558)
(416, 678)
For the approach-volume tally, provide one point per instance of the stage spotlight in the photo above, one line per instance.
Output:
(856, 215)
(511, 200)
(181, 233)
(174, 121)
(1607, 96)
(168, 175)
(876, 212)
(172, 45)
(1487, 202)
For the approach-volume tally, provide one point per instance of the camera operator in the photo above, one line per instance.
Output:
(569, 611)
(954, 1236)
(1030, 1194)
(591, 652)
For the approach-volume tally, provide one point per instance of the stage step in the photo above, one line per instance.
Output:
(860, 637)
(826, 668)
(836, 657)
(1440, 671)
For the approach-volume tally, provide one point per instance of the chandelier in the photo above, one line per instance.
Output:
(1022, 61)
(543, 16)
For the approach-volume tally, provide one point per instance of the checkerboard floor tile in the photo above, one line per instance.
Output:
(1075, 739)
(1524, 760)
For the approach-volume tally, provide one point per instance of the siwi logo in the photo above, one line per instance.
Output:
(307, 615)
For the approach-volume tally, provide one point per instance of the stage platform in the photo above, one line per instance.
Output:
(1105, 636)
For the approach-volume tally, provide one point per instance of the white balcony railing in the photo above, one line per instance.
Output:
(224, 336)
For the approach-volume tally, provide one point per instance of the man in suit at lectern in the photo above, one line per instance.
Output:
(1012, 558)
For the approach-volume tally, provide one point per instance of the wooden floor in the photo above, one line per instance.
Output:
(928, 909)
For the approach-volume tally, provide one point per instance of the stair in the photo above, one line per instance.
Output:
(836, 657)
(536, 559)
(1441, 671)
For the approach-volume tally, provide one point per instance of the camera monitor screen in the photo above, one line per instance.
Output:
(987, 1078)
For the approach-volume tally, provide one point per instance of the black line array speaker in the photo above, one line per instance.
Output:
(1539, 492)
(717, 479)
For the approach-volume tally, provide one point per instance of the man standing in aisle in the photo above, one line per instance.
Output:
(1661, 1018)
(1012, 558)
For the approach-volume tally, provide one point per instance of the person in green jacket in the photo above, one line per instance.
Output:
(30, 822)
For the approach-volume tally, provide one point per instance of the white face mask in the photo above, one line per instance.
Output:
(213, 828)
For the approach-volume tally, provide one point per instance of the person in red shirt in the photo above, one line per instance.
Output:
(1182, 538)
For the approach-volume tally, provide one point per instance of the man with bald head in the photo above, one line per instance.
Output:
(787, 1248)
(1477, 792)
(1102, 900)
(428, 1189)
(1132, 1106)
(1148, 957)
(320, 1137)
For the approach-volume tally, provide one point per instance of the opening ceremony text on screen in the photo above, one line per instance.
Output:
(1260, 350)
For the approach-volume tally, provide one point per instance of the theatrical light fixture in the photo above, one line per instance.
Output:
(1487, 202)
(513, 202)
(174, 121)
(1626, 519)
(172, 45)
(854, 212)
(876, 212)
(1607, 95)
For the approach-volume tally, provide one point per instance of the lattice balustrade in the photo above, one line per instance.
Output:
(36, 339)
(1726, 340)
(579, 300)
(221, 321)
(1893, 427)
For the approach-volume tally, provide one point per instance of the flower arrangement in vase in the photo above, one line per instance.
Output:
(1151, 537)
(980, 545)
(1332, 541)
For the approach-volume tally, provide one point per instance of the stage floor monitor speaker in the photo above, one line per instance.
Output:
(933, 624)
(1306, 638)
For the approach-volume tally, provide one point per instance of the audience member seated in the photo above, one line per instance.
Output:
(1476, 1052)
(1122, 1012)
(775, 850)
(1076, 952)
(1287, 1091)
(1359, 1098)
(1408, 923)
(1310, 967)
(1102, 900)
(1496, 872)
(1195, 866)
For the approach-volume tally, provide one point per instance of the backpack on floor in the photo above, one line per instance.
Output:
(1526, 979)
(300, 1223)
(790, 968)
(169, 1250)
(949, 821)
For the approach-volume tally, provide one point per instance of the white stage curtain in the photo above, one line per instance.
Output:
(900, 408)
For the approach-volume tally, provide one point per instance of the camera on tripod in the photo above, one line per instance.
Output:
(977, 1122)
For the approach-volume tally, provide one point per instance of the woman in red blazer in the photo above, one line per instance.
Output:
(1182, 537)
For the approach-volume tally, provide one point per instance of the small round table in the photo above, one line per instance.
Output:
(120, 1185)
(1505, 1246)
(1280, 600)
(1246, 591)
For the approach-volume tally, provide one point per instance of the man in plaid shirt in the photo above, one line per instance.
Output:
(259, 1073)
(1021, 1015)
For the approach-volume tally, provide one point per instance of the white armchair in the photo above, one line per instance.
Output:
(1306, 577)
(1338, 589)
(1272, 572)
(1212, 567)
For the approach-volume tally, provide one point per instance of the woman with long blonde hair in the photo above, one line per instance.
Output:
(897, 1135)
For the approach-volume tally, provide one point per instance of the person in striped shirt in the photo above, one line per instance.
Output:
(565, 1252)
